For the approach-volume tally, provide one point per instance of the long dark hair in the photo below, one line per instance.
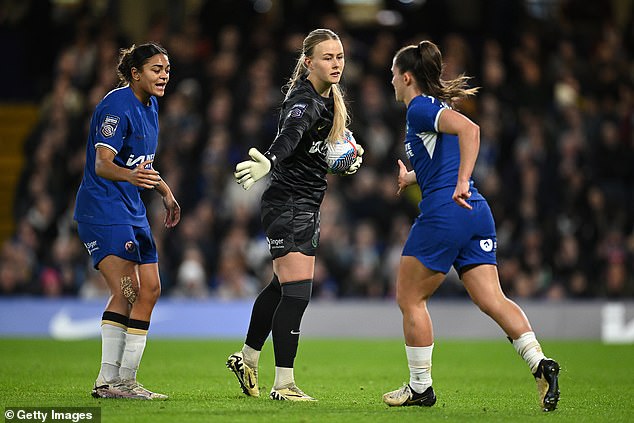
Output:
(136, 57)
(424, 61)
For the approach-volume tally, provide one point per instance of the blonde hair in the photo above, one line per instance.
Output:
(341, 117)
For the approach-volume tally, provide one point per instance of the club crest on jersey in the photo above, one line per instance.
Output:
(297, 110)
(109, 125)
(487, 245)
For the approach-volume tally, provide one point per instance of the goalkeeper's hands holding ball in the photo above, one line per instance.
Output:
(357, 162)
(250, 171)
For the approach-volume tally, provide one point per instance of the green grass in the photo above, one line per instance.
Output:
(475, 381)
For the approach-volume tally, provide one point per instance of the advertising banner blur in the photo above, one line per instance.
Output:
(75, 319)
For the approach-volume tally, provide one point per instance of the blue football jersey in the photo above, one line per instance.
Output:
(130, 129)
(435, 156)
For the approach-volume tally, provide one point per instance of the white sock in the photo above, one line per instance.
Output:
(283, 377)
(251, 356)
(112, 345)
(134, 346)
(419, 362)
(529, 349)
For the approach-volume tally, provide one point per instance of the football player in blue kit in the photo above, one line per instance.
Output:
(455, 226)
(111, 217)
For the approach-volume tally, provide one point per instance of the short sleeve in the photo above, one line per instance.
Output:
(111, 126)
(424, 113)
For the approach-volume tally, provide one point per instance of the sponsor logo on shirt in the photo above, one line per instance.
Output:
(91, 246)
(408, 150)
(134, 161)
(109, 125)
(275, 244)
(319, 147)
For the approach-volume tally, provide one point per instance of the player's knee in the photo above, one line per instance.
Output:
(410, 301)
(401, 300)
(300, 290)
(409, 307)
(154, 292)
(149, 294)
(490, 307)
(274, 285)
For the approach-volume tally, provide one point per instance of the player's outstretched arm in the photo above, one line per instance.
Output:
(250, 171)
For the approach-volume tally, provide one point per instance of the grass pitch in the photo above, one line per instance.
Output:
(475, 381)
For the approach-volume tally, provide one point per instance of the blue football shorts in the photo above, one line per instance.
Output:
(134, 243)
(451, 235)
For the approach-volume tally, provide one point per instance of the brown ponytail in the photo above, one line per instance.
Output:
(424, 61)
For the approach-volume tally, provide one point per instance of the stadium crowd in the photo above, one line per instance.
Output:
(555, 108)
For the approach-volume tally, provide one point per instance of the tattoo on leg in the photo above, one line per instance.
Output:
(128, 290)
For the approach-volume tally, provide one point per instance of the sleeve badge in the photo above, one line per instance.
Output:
(109, 125)
(297, 110)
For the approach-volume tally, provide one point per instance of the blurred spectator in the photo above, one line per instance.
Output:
(233, 280)
(191, 279)
(94, 285)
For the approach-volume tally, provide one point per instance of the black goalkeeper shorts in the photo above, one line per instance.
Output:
(290, 229)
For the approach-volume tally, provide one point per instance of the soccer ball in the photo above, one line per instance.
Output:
(341, 154)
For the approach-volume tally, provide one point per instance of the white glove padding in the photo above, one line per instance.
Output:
(357, 162)
(249, 171)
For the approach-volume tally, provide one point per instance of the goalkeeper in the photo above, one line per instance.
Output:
(313, 113)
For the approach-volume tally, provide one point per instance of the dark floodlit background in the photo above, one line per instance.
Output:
(555, 108)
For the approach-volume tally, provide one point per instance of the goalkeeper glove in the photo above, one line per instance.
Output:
(249, 171)
(357, 162)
